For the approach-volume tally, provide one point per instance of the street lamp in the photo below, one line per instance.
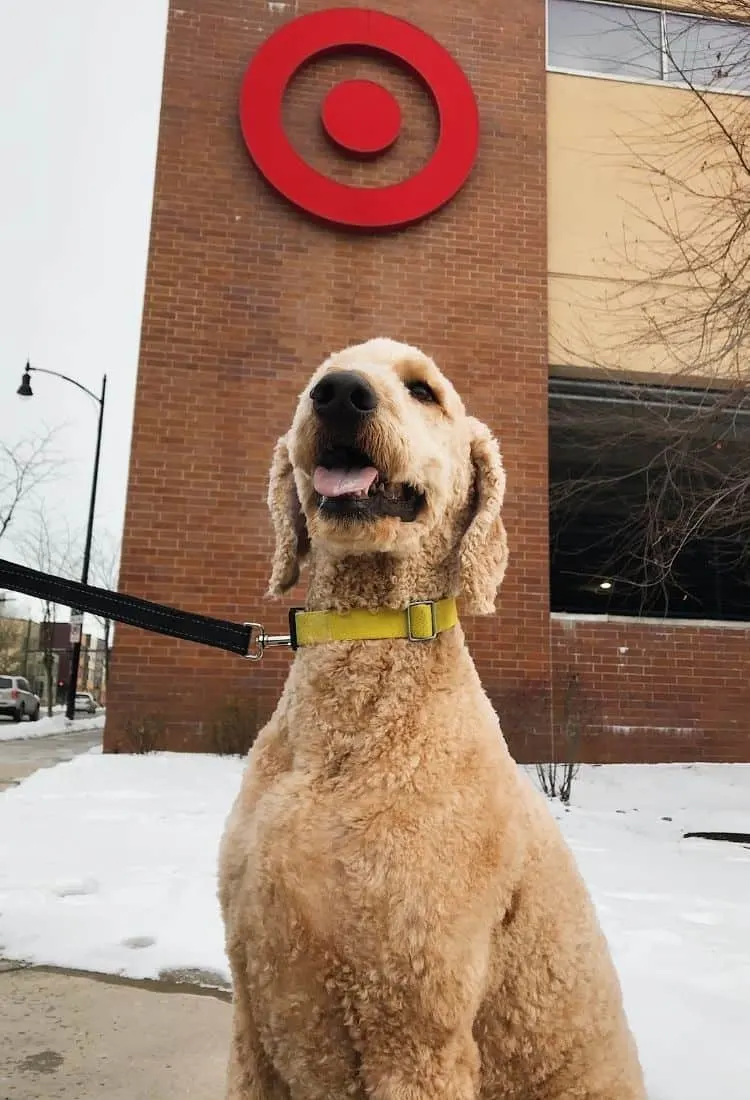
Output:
(25, 390)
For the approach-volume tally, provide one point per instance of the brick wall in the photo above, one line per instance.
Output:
(245, 296)
(655, 692)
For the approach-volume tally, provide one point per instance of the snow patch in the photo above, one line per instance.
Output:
(568, 619)
(679, 731)
(48, 727)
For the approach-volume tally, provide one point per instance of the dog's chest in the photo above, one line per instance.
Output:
(300, 836)
(327, 858)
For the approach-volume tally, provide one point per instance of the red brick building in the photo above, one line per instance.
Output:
(246, 294)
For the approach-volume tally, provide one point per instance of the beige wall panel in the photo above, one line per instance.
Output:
(640, 183)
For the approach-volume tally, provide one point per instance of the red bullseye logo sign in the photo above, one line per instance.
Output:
(360, 117)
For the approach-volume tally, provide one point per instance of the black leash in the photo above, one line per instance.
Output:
(246, 639)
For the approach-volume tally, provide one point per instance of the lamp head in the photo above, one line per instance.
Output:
(25, 390)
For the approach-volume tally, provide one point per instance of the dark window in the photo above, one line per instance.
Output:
(6, 682)
(649, 501)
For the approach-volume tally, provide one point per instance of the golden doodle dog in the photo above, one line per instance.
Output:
(403, 918)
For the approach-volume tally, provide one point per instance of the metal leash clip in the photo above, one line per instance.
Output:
(259, 641)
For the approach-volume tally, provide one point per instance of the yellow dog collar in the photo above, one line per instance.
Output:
(420, 621)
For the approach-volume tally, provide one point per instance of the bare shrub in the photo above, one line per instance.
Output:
(143, 734)
(573, 711)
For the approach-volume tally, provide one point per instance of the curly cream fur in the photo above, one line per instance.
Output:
(404, 920)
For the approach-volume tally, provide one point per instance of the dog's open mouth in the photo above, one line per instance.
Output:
(349, 485)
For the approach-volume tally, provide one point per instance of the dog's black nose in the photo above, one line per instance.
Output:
(343, 395)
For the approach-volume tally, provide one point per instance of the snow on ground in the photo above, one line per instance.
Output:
(107, 863)
(116, 868)
(48, 727)
(676, 913)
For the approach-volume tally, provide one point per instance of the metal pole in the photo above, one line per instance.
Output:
(26, 648)
(76, 651)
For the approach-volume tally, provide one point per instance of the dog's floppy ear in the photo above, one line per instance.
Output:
(290, 529)
(483, 554)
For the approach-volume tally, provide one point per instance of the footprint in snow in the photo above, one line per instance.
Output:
(138, 941)
(73, 888)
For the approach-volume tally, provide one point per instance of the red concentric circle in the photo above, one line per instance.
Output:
(288, 48)
(361, 116)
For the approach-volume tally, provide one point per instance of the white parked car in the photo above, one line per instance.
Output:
(85, 702)
(17, 699)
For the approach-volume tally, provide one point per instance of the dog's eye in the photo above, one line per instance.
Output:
(422, 392)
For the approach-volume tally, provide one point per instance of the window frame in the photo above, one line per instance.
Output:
(664, 80)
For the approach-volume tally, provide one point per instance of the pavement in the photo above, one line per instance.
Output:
(73, 1036)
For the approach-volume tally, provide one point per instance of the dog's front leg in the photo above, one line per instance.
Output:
(250, 1076)
(415, 1019)
(421, 1067)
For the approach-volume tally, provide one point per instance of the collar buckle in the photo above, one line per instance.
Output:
(410, 622)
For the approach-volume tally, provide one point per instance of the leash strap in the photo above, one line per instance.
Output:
(155, 617)
(421, 621)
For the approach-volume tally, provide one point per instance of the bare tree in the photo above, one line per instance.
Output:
(668, 463)
(105, 568)
(698, 253)
(51, 549)
(24, 467)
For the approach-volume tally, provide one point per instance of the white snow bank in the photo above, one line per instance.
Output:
(48, 727)
(108, 863)
(676, 912)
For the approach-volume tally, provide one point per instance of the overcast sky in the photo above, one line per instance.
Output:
(80, 85)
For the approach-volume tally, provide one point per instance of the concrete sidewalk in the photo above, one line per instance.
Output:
(67, 1036)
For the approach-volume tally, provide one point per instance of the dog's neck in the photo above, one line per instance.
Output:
(378, 580)
(352, 699)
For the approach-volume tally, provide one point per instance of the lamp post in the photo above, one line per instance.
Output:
(25, 390)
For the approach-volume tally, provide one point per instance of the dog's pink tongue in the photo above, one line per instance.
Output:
(339, 483)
